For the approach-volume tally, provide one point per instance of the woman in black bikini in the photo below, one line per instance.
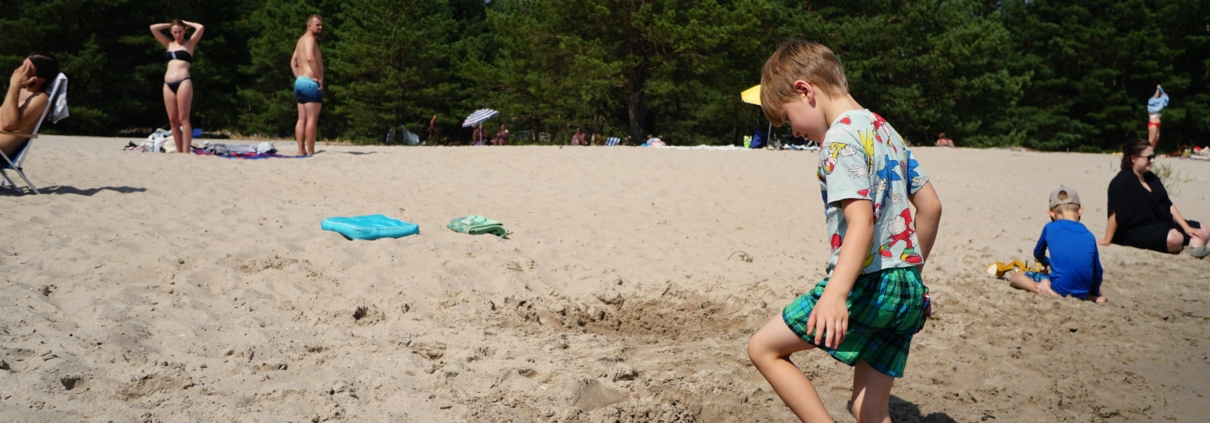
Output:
(178, 89)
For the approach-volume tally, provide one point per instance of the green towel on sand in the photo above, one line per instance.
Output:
(478, 225)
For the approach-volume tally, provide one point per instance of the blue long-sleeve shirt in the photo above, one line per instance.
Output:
(1075, 264)
(1154, 105)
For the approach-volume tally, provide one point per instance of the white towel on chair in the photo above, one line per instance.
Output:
(58, 110)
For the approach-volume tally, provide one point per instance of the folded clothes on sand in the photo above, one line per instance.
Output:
(478, 225)
(264, 150)
(369, 227)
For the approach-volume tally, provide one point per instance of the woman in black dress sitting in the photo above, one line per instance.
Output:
(1140, 213)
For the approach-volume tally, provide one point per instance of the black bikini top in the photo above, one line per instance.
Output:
(179, 55)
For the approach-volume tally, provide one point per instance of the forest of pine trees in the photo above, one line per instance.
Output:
(1051, 75)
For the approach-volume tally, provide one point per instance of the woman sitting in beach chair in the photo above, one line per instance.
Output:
(26, 99)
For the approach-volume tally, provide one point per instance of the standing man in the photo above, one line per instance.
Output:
(308, 67)
(432, 132)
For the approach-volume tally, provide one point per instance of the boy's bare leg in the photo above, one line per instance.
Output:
(871, 394)
(1020, 281)
(770, 349)
(300, 130)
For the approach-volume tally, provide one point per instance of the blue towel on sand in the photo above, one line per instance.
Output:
(369, 227)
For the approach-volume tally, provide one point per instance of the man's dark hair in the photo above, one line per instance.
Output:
(45, 67)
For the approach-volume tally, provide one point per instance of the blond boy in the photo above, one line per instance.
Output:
(1075, 264)
(873, 301)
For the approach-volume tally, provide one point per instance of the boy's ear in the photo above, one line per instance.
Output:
(1052, 215)
(1081, 212)
(803, 87)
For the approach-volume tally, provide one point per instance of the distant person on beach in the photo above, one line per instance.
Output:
(501, 137)
(308, 67)
(1075, 264)
(432, 140)
(1140, 213)
(477, 135)
(578, 138)
(26, 99)
(1155, 105)
(944, 141)
(178, 88)
(873, 301)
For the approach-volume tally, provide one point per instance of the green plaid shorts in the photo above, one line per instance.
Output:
(886, 309)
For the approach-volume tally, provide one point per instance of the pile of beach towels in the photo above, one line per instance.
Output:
(1198, 153)
(264, 150)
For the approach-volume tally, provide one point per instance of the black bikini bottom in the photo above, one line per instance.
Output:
(174, 85)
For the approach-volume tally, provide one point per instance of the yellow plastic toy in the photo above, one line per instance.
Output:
(999, 269)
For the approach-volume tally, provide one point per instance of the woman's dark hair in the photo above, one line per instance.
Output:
(180, 23)
(45, 66)
(1131, 149)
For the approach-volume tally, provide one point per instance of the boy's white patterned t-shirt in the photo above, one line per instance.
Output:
(863, 158)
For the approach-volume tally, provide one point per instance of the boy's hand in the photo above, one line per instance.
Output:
(829, 321)
(1044, 286)
(1103, 241)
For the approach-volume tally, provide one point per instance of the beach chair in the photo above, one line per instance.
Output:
(15, 165)
(612, 141)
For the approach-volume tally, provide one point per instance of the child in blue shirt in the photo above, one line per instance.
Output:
(1075, 265)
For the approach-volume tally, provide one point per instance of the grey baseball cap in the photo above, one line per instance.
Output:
(1073, 197)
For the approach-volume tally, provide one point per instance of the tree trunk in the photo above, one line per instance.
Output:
(635, 106)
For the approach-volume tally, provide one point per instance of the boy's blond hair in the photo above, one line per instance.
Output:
(795, 60)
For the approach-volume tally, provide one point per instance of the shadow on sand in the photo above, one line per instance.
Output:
(62, 190)
(903, 411)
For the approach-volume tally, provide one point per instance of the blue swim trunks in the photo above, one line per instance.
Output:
(1037, 276)
(307, 90)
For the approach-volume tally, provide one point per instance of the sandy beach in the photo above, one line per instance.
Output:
(176, 288)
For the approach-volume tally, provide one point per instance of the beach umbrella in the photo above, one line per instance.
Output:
(479, 116)
(752, 96)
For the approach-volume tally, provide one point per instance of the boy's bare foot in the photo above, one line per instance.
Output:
(1101, 299)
